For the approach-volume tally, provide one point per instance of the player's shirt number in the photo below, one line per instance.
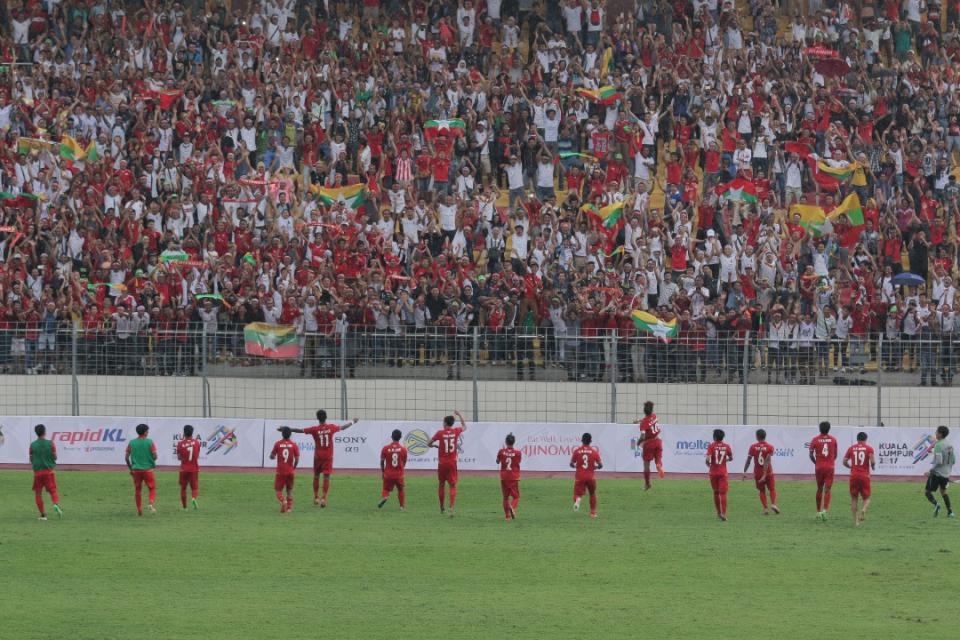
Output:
(719, 456)
(825, 451)
(449, 445)
(189, 454)
(285, 453)
(508, 463)
(859, 457)
(586, 461)
(761, 459)
(324, 440)
(395, 460)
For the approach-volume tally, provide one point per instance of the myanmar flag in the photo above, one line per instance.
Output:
(271, 340)
(650, 323)
(739, 189)
(352, 196)
(453, 127)
(841, 174)
(603, 96)
(851, 207)
(565, 155)
(70, 149)
(812, 217)
(610, 216)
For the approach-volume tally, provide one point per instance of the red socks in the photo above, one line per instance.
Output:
(183, 496)
(39, 498)
(402, 495)
(326, 486)
(316, 486)
(763, 498)
(441, 494)
(453, 495)
(593, 504)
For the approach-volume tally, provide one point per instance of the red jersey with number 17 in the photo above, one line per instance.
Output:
(285, 451)
(859, 456)
(824, 448)
(394, 458)
(718, 455)
(188, 453)
(586, 460)
(447, 439)
(322, 438)
(650, 428)
(509, 460)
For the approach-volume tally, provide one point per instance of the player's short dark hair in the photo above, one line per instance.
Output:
(285, 432)
(510, 439)
(39, 429)
(142, 429)
(321, 415)
(586, 439)
(862, 436)
(647, 408)
(718, 434)
(396, 435)
(761, 434)
(448, 421)
(188, 430)
(825, 427)
(942, 430)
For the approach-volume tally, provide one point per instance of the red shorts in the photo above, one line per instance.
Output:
(719, 484)
(44, 480)
(322, 464)
(139, 477)
(860, 486)
(447, 473)
(510, 488)
(389, 484)
(653, 451)
(189, 478)
(581, 487)
(770, 483)
(824, 478)
(283, 481)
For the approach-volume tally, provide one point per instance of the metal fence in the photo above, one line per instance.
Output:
(526, 376)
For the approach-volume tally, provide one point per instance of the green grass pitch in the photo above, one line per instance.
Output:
(655, 565)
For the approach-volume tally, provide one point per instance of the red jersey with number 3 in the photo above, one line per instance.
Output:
(322, 438)
(188, 453)
(447, 439)
(761, 453)
(286, 452)
(586, 459)
(824, 448)
(509, 460)
(394, 458)
(718, 455)
(650, 428)
(859, 457)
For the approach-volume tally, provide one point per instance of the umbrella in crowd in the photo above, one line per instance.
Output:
(907, 280)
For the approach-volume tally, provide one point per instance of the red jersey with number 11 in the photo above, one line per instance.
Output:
(322, 438)
(824, 448)
(188, 453)
(586, 459)
(447, 439)
(509, 460)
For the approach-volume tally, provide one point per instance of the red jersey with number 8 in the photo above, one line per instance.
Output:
(447, 439)
(394, 457)
(824, 448)
(586, 460)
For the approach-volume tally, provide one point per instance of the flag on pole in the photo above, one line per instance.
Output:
(603, 96)
(352, 196)
(453, 127)
(663, 331)
(271, 340)
(738, 189)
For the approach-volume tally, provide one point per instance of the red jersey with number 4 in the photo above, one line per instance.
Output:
(761, 453)
(586, 459)
(509, 460)
(447, 439)
(824, 448)
(718, 455)
(322, 438)
(188, 453)
(286, 452)
(859, 457)
(394, 458)
(650, 428)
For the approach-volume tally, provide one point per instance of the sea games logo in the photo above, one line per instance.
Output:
(89, 440)
(549, 444)
(224, 440)
(921, 450)
(900, 455)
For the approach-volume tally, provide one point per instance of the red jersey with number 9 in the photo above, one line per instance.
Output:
(718, 455)
(586, 459)
(285, 451)
(188, 453)
(509, 460)
(447, 439)
(394, 457)
(824, 448)
(859, 457)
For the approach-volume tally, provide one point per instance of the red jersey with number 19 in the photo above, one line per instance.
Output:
(824, 448)
(188, 453)
(394, 457)
(448, 439)
(859, 456)
(586, 459)
(718, 455)
(286, 451)
(509, 460)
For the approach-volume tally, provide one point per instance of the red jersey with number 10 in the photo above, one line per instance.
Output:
(322, 438)
(188, 453)
(447, 439)
(761, 453)
(509, 460)
(394, 457)
(586, 459)
(650, 428)
(859, 457)
(718, 455)
(824, 448)
(285, 451)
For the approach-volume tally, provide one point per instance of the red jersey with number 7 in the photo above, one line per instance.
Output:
(286, 452)
(322, 439)
(188, 453)
(394, 458)
(718, 455)
(586, 459)
(824, 448)
(447, 439)
(859, 456)
(509, 460)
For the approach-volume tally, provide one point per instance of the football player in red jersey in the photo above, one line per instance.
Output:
(761, 454)
(393, 460)
(586, 460)
(719, 454)
(509, 460)
(188, 453)
(859, 459)
(287, 454)
(323, 453)
(652, 445)
(448, 438)
(823, 454)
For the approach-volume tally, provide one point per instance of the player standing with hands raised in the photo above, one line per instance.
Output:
(448, 438)
(652, 445)
(323, 434)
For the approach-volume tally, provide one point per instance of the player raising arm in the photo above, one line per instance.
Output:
(322, 453)
(939, 475)
(823, 454)
(586, 460)
(760, 454)
(287, 454)
(509, 460)
(393, 460)
(859, 459)
(188, 453)
(43, 458)
(719, 454)
(141, 459)
(446, 440)
(652, 445)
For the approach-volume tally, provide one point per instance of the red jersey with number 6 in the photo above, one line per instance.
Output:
(322, 438)
(188, 453)
(824, 448)
(285, 451)
(859, 456)
(761, 453)
(509, 460)
(586, 459)
(394, 458)
(448, 439)
(718, 455)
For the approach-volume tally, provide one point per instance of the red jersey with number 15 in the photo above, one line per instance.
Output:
(718, 455)
(859, 456)
(761, 453)
(322, 438)
(586, 459)
(824, 448)
(447, 439)
(394, 457)
(509, 460)
(650, 428)
(286, 452)
(188, 453)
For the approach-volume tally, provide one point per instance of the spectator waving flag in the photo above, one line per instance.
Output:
(453, 127)
(851, 208)
(353, 196)
(664, 331)
(840, 173)
(610, 216)
(271, 340)
(603, 96)
(812, 217)
(738, 189)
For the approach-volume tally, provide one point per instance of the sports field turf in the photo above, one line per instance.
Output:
(655, 565)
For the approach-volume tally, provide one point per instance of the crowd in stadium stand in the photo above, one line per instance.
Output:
(416, 169)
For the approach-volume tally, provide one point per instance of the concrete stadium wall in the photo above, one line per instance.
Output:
(417, 399)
